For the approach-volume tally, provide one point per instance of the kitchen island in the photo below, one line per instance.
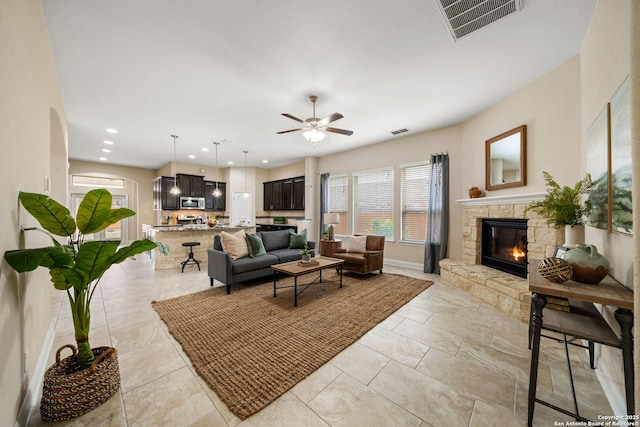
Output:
(175, 235)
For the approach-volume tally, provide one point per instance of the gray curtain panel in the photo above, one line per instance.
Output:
(324, 200)
(435, 247)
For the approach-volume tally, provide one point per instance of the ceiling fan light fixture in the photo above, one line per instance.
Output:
(314, 135)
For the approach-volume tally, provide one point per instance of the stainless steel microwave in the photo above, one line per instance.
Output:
(192, 203)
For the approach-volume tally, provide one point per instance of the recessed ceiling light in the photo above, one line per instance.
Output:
(104, 159)
(108, 142)
(204, 149)
(191, 156)
(111, 130)
(106, 150)
(229, 162)
(265, 161)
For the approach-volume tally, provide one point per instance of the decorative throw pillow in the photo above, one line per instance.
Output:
(255, 245)
(234, 244)
(355, 243)
(297, 241)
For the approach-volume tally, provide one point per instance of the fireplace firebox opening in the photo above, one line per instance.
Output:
(504, 245)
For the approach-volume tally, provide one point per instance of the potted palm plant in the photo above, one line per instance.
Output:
(76, 268)
(564, 206)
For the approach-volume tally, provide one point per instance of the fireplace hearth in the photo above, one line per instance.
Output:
(504, 245)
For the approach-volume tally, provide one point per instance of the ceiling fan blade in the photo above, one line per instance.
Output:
(293, 117)
(290, 130)
(332, 118)
(342, 131)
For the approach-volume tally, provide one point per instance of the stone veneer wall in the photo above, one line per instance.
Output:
(504, 291)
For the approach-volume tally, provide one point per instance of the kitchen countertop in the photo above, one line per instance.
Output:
(191, 227)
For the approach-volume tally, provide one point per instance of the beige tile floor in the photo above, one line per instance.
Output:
(444, 359)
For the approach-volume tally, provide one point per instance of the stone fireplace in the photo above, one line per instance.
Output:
(504, 245)
(497, 288)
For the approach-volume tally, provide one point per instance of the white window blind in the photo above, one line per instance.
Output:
(339, 201)
(414, 201)
(373, 202)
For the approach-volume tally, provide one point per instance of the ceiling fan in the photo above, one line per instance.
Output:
(315, 128)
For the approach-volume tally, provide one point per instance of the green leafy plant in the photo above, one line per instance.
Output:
(562, 205)
(78, 266)
(307, 251)
(381, 227)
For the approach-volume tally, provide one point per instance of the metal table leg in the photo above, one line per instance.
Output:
(625, 319)
(538, 301)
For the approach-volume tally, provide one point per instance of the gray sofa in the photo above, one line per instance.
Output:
(228, 271)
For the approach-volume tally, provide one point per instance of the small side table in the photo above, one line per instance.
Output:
(328, 247)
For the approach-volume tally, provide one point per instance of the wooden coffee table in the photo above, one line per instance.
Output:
(296, 268)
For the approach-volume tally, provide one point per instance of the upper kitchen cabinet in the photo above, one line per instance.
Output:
(273, 196)
(211, 202)
(191, 185)
(162, 197)
(284, 194)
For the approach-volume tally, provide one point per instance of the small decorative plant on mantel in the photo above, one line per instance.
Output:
(563, 207)
(76, 268)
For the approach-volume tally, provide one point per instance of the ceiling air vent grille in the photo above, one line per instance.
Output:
(466, 16)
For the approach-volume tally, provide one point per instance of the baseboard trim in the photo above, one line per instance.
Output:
(30, 400)
(405, 264)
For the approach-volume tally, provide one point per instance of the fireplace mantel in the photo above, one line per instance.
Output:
(503, 200)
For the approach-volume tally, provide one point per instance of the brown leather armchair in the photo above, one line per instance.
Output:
(370, 260)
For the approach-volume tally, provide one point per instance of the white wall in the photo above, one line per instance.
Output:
(605, 63)
(33, 133)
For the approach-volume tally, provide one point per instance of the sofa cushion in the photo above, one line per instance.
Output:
(255, 245)
(355, 244)
(278, 239)
(247, 264)
(286, 255)
(297, 241)
(235, 244)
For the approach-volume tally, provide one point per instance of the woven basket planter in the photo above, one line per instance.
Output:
(69, 392)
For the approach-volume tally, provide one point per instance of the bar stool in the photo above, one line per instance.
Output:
(190, 259)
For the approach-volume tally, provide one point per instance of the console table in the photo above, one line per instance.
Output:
(584, 322)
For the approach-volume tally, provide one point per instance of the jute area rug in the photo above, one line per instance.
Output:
(251, 347)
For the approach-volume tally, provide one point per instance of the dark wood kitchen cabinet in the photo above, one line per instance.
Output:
(162, 197)
(297, 200)
(284, 194)
(191, 185)
(273, 196)
(212, 203)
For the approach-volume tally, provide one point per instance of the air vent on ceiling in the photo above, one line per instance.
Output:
(466, 16)
(399, 131)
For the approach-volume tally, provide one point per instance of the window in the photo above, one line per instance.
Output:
(373, 202)
(339, 201)
(414, 201)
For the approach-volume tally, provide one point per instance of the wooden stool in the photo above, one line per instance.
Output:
(190, 259)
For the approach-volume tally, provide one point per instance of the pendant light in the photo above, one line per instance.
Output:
(174, 190)
(246, 193)
(217, 192)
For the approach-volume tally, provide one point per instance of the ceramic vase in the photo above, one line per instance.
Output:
(573, 235)
(588, 265)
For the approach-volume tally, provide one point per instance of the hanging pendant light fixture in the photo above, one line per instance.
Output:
(217, 192)
(174, 190)
(246, 193)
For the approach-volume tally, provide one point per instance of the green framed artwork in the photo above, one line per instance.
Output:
(621, 211)
(598, 167)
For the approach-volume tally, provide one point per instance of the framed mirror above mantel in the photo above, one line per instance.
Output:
(506, 159)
